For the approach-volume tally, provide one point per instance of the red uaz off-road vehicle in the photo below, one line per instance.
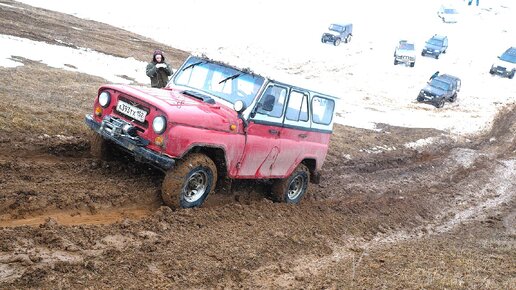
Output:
(216, 121)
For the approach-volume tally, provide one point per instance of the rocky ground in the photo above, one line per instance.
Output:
(390, 212)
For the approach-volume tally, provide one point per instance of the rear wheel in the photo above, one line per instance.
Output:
(348, 39)
(453, 98)
(336, 42)
(412, 64)
(189, 182)
(322, 40)
(395, 62)
(292, 188)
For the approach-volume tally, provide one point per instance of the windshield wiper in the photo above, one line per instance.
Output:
(230, 78)
(192, 65)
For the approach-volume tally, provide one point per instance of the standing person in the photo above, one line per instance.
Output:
(434, 75)
(158, 70)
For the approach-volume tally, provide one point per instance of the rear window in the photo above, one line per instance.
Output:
(322, 110)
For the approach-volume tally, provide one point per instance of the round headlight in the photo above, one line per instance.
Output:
(159, 124)
(104, 99)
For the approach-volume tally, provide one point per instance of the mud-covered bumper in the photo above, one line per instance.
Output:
(112, 129)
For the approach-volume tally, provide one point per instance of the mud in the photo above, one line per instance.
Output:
(386, 215)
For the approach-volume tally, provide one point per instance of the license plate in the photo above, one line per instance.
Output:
(131, 111)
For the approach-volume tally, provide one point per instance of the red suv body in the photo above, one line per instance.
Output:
(215, 121)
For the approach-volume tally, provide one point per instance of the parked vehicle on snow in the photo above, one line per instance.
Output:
(505, 65)
(405, 52)
(448, 14)
(440, 89)
(338, 33)
(436, 45)
(215, 122)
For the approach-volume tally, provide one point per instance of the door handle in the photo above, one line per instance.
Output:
(302, 136)
(274, 132)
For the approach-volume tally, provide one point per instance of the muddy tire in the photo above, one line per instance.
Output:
(292, 189)
(189, 182)
(100, 148)
(439, 103)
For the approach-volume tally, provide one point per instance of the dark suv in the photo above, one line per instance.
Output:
(338, 33)
(505, 65)
(440, 89)
(436, 45)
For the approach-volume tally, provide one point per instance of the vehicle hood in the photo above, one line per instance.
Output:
(334, 33)
(428, 89)
(181, 108)
(502, 63)
(406, 52)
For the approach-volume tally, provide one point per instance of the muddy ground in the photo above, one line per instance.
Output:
(385, 216)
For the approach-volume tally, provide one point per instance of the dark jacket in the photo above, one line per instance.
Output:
(158, 76)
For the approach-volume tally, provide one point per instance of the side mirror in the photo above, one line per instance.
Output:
(239, 106)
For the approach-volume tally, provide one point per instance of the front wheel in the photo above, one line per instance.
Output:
(189, 182)
(453, 98)
(412, 64)
(439, 103)
(511, 76)
(336, 42)
(292, 188)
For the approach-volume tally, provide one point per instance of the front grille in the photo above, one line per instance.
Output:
(139, 106)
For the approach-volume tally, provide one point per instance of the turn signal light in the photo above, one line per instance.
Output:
(159, 141)
(98, 111)
(232, 127)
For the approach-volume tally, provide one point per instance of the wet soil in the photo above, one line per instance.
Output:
(385, 215)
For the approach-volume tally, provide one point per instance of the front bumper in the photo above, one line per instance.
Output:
(429, 51)
(501, 71)
(111, 129)
(405, 59)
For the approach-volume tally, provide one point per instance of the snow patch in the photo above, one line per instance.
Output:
(82, 60)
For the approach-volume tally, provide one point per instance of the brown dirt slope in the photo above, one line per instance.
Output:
(440, 216)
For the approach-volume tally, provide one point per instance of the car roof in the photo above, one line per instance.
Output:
(447, 78)
(511, 51)
(341, 24)
(437, 36)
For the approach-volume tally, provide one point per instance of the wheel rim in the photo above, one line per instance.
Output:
(295, 187)
(195, 186)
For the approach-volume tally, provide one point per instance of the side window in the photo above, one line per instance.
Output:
(322, 110)
(272, 101)
(297, 109)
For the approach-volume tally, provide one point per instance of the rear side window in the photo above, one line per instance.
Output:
(322, 110)
(297, 109)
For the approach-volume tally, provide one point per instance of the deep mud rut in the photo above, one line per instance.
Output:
(66, 215)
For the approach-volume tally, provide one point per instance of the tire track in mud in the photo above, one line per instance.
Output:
(71, 218)
(500, 189)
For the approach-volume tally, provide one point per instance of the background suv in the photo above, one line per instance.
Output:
(505, 65)
(338, 33)
(436, 45)
(439, 90)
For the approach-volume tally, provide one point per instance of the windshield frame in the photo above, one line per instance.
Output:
(223, 82)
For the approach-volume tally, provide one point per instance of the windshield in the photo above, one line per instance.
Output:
(450, 11)
(216, 79)
(440, 85)
(434, 41)
(407, 46)
(509, 56)
(336, 28)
